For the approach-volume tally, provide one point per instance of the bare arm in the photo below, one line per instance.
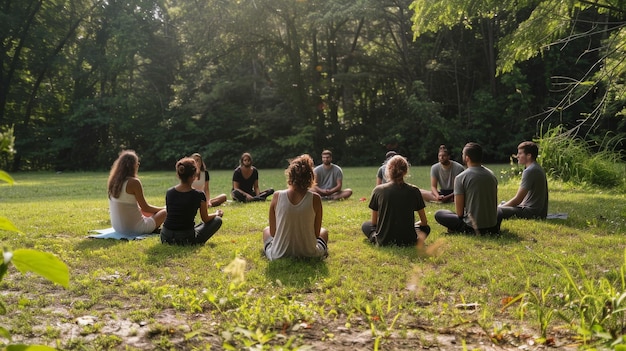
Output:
(521, 194)
(272, 214)
(256, 187)
(204, 212)
(459, 204)
(134, 187)
(422, 214)
(433, 187)
(374, 217)
(319, 212)
(206, 192)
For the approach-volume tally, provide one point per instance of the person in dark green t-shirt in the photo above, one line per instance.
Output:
(393, 206)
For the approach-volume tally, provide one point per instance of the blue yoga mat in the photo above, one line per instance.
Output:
(110, 233)
(557, 216)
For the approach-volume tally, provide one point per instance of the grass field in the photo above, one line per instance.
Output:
(538, 283)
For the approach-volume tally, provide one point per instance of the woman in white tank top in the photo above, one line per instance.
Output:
(295, 216)
(129, 210)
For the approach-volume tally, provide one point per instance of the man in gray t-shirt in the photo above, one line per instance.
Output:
(443, 174)
(329, 179)
(531, 200)
(475, 197)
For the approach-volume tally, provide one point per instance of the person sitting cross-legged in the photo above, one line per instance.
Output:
(246, 182)
(183, 203)
(295, 216)
(329, 178)
(475, 197)
(393, 206)
(531, 200)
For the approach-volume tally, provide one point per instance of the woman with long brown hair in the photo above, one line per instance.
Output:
(129, 210)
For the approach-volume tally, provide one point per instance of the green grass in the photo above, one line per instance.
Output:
(145, 295)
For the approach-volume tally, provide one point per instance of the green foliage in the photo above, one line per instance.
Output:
(41, 263)
(596, 306)
(27, 260)
(569, 158)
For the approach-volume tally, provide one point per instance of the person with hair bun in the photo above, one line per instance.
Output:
(130, 212)
(393, 206)
(295, 216)
(183, 202)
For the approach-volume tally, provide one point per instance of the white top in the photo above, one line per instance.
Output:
(199, 183)
(126, 217)
(295, 228)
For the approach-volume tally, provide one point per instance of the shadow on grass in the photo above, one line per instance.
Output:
(93, 243)
(296, 272)
(162, 252)
(506, 236)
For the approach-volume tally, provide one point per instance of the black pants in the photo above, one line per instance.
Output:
(241, 196)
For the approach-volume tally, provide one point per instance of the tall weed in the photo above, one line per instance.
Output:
(569, 158)
(594, 307)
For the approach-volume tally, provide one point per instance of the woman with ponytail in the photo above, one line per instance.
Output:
(182, 202)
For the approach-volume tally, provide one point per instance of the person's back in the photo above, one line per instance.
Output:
(183, 203)
(480, 188)
(475, 197)
(182, 208)
(295, 216)
(125, 213)
(295, 229)
(396, 204)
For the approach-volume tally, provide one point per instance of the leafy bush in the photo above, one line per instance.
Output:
(27, 260)
(565, 156)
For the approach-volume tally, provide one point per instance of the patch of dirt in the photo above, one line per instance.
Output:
(170, 330)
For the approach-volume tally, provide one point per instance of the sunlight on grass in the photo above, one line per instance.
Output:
(227, 292)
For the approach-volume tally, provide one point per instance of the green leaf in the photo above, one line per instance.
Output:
(42, 263)
(6, 177)
(5, 334)
(5, 224)
(29, 348)
(4, 266)
(3, 311)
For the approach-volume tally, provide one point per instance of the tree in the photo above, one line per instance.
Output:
(541, 27)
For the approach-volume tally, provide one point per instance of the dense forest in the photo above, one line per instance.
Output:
(81, 80)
